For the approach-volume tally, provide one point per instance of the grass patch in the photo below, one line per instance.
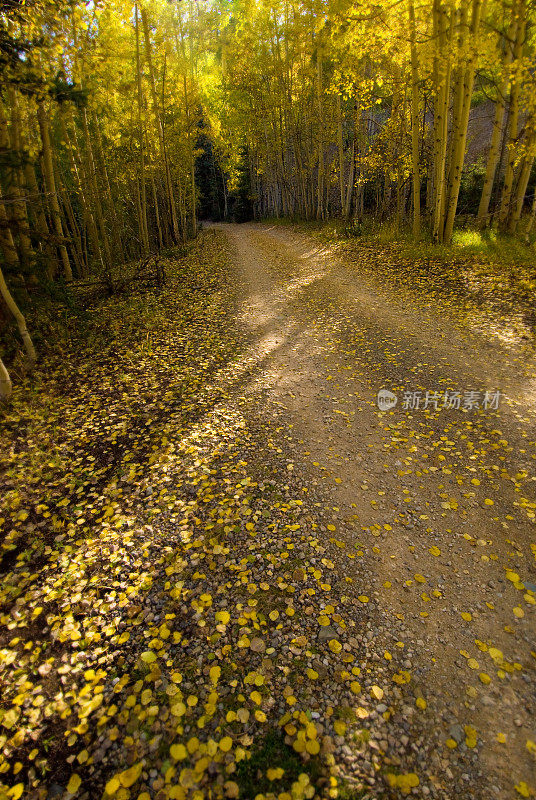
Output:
(271, 753)
(467, 242)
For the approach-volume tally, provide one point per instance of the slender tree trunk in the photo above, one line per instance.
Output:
(108, 189)
(71, 224)
(20, 208)
(415, 124)
(14, 182)
(39, 218)
(89, 166)
(225, 206)
(460, 16)
(341, 151)
(442, 70)
(521, 187)
(48, 168)
(351, 178)
(492, 161)
(460, 132)
(137, 203)
(504, 211)
(11, 259)
(321, 164)
(191, 140)
(141, 191)
(6, 389)
(458, 74)
(495, 143)
(302, 203)
(531, 221)
(155, 197)
(91, 172)
(80, 188)
(159, 126)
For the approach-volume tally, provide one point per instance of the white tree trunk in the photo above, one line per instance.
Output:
(5, 384)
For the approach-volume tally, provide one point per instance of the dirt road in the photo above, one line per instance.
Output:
(439, 504)
(226, 573)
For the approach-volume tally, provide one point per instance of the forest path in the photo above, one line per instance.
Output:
(439, 505)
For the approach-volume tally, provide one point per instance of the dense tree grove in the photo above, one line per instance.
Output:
(118, 121)
(352, 105)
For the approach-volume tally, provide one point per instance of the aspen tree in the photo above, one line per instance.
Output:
(442, 72)
(495, 143)
(103, 170)
(89, 166)
(40, 220)
(523, 176)
(140, 181)
(15, 180)
(513, 118)
(159, 125)
(50, 183)
(531, 221)
(460, 130)
(6, 388)
(11, 259)
(341, 150)
(415, 123)
(321, 164)
(72, 225)
(180, 46)
(152, 171)
(461, 15)
(79, 185)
